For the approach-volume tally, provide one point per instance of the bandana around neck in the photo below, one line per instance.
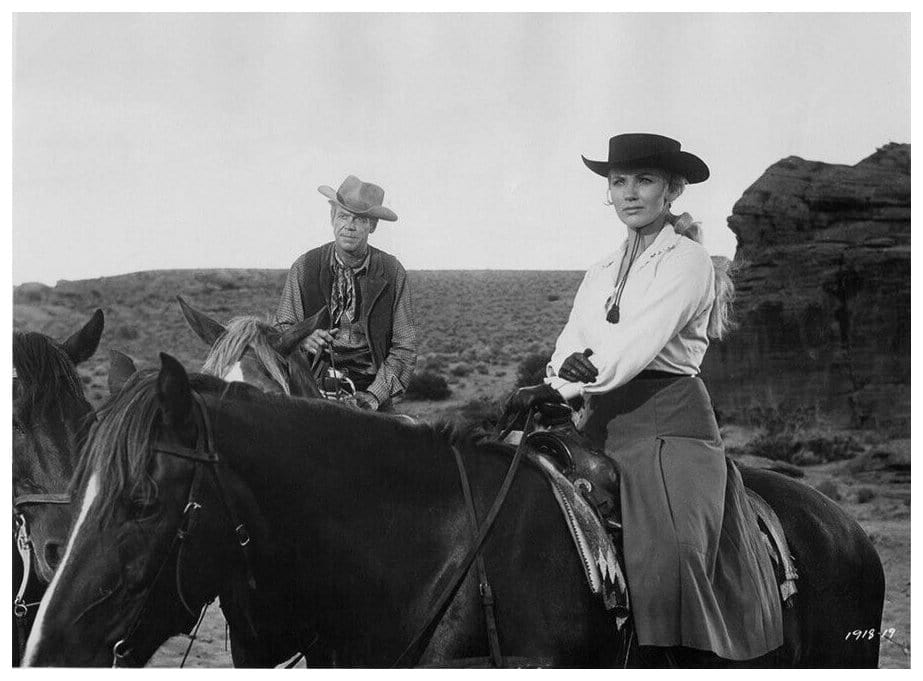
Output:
(343, 291)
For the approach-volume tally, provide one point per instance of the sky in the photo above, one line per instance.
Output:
(152, 141)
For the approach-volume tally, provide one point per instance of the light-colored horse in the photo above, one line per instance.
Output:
(253, 351)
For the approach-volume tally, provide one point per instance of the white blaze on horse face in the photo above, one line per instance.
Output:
(89, 497)
(235, 373)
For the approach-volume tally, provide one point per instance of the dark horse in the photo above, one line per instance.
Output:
(50, 419)
(348, 524)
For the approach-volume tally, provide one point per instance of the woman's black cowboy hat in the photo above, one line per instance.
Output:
(644, 150)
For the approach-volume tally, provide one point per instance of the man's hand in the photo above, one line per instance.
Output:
(578, 368)
(318, 340)
(367, 400)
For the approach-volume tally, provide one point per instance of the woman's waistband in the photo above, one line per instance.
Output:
(649, 374)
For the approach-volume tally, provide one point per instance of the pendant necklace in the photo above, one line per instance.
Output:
(613, 315)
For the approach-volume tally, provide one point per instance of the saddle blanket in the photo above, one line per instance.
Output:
(593, 543)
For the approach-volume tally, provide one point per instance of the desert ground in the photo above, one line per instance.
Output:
(477, 330)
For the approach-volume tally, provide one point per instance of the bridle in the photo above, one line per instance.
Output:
(206, 458)
(25, 546)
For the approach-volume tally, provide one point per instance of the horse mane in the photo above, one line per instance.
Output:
(240, 334)
(120, 440)
(119, 443)
(46, 376)
(469, 434)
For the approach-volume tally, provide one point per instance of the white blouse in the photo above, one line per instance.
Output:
(664, 310)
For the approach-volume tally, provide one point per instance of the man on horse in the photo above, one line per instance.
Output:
(361, 298)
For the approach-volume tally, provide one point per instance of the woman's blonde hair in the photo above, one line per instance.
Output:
(719, 321)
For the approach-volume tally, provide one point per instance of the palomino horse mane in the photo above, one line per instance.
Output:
(240, 334)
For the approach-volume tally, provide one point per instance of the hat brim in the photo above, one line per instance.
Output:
(379, 212)
(682, 163)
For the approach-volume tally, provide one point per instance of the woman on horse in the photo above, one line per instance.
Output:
(698, 576)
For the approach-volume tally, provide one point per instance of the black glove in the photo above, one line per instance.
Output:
(579, 368)
(523, 400)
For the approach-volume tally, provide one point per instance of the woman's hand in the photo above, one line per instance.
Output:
(525, 398)
(318, 340)
(578, 368)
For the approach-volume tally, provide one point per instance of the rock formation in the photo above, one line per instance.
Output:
(824, 302)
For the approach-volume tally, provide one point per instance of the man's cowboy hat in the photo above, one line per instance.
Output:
(361, 198)
(643, 150)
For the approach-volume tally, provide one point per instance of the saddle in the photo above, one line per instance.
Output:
(586, 484)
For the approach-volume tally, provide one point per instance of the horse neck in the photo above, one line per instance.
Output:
(322, 458)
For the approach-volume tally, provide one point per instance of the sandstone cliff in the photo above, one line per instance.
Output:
(824, 305)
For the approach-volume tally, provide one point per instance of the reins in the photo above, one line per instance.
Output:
(434, 615)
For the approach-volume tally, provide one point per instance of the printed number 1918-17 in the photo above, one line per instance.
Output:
(869, 634)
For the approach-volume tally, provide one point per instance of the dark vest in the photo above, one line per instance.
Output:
(377, 299)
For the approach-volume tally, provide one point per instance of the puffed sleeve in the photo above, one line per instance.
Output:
(569, 341)
(683, 288)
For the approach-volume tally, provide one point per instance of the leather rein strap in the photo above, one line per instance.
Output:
(484, 588)
(415, 648)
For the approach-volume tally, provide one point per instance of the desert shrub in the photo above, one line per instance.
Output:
(531, 369)
(426, 385)
(127, 332)
(482, 369)
(834, 448)
(461, 369)
(830, 489)
(776, 419)
(788, 447)
(864, 495)
(434, 363)
(469, 355)
(219, 279)
(482, 411)
(776, 447)
(552, 297)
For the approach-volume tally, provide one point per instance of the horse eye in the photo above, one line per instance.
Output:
(141, 508)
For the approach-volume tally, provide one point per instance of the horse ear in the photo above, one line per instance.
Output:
(174, 392)
(201, 324)
(81, 346)
(291, 338)
(121, 368)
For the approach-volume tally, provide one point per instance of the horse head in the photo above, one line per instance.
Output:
(50, 417)
(158, 533)
(252, 351)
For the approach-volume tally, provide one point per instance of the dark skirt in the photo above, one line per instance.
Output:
(698, 573)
